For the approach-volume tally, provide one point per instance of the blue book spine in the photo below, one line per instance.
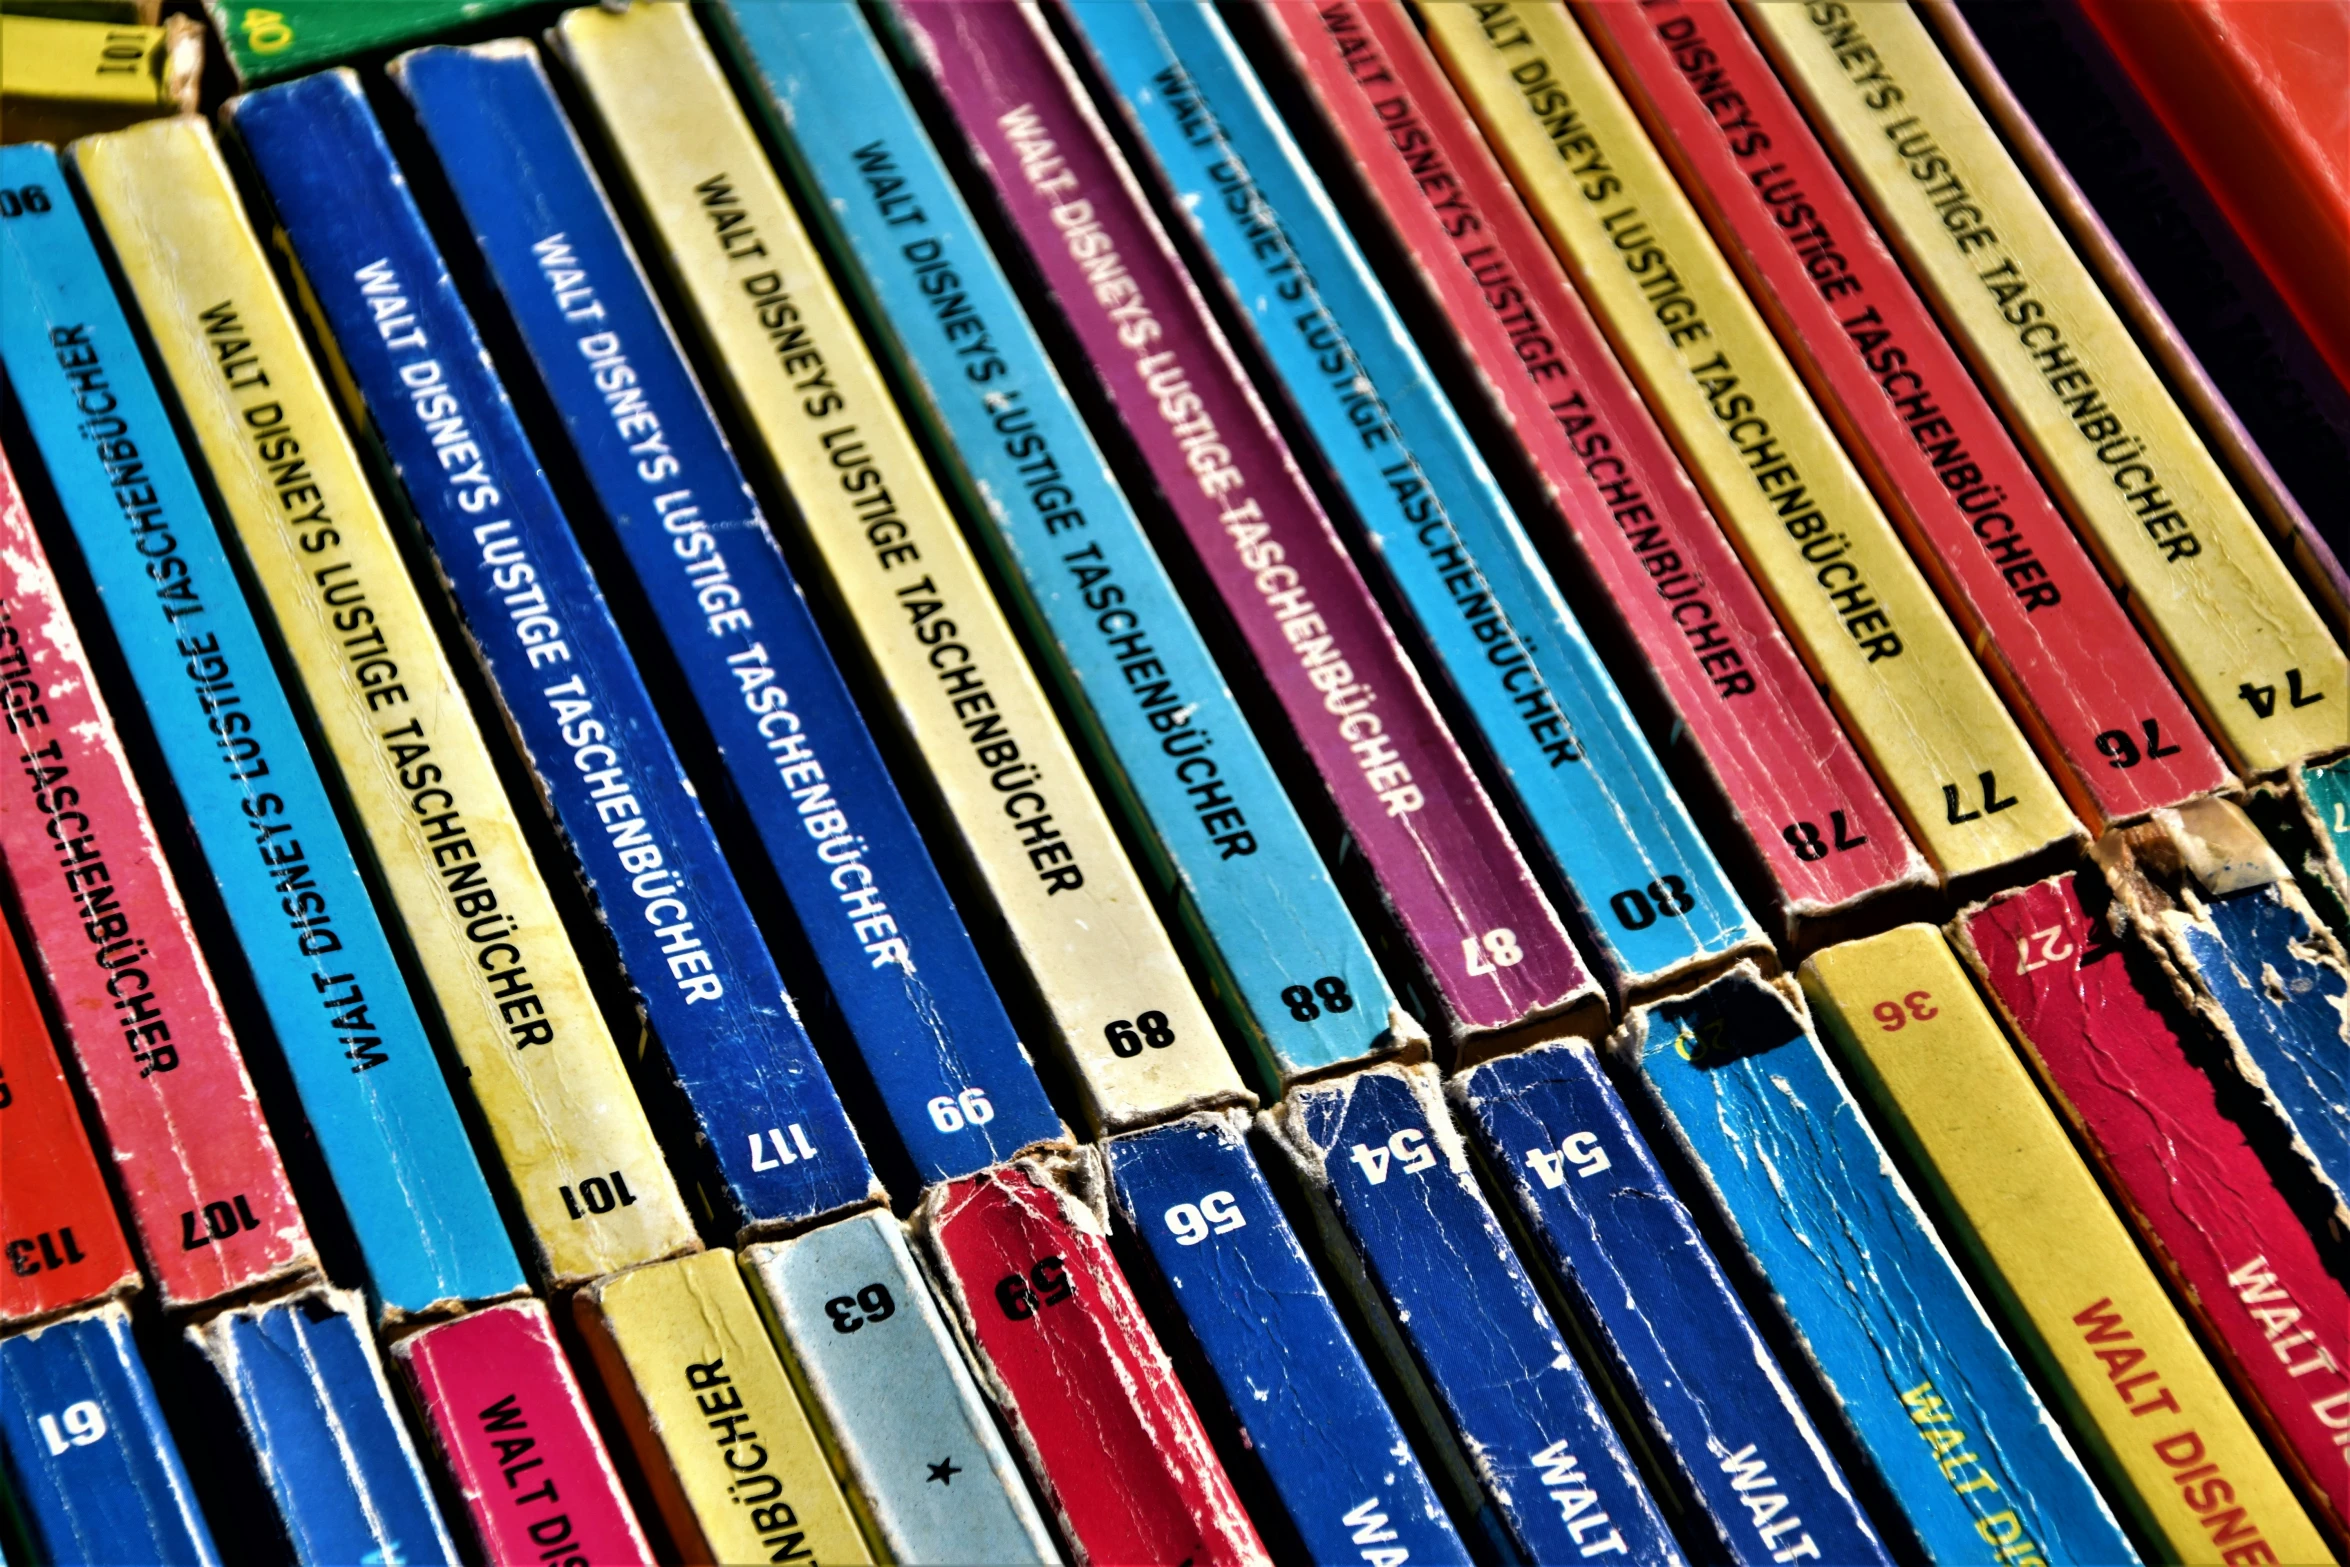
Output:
(323, 1430)
(1649, 891)
(1967, 1456)
(300, 917)
(1683, 1350)
(1297, 1387)
(92, 1467)
(1382, 1148)
(760, 1099)
(1287, 953)
(902, 968)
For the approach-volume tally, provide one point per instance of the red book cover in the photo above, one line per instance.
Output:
(1090, 1396)
(2115, 731)
(64, 1247)
(207, 1193)
(2185, 1176)
(506, 1415)
(1816, 819)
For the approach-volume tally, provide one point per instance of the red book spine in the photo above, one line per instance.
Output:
(1817, 821)
(2197, 1193)
(64, 1247)
(506, 1415)
(207, 1193)
(1091, 1397)
(2104, 714)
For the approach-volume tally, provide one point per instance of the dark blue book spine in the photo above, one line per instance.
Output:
(92, 1467)
(570, 690)
(1307, 1408)
(1683, 1350)
(1382, 1148)
(324, 1432)
(900, 964)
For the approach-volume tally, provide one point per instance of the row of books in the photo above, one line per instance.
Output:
(1210, 455)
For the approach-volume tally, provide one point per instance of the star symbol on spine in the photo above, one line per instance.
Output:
(944, 1471)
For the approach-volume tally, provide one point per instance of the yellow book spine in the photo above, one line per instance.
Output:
(98, 63)
(2147, 493)
(2076, 1296)
(1899, 674)
(1075, 907)
(733, 1461)
(575, 1143)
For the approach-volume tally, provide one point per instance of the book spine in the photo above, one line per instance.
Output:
(322, 1429)
(1380, 1146)
(894, 954)
(182, 1129)
(1024, 1262)
(2110, 725)
(1655, 905)
(1074, 909)
(1822, 832)
(2067, 1277)
(2325, 795)
(1966, 1460)
(1483, 933)
(1678, 1343)
(64, 1246)
(718, 1432)
(305, 930)
(895, 1403)
(99, 64)
(760, 1100)
(93, 1472)
(2088, 1019)
(2255, 658)
(514, 1435)
(1897, 671)
(590, 1180)
(1293, 1383)
(266, 42)
(1305, 990)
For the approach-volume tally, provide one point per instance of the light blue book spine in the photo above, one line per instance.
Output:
(1284, 950)
(298, 913)
(1968, 1458)
(1649, 890)
(760, 1101)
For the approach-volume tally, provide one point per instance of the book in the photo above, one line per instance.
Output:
(2146, 493)
(62, 77)
(2092, 1023)
(64, 1246)
(1072, 906)
(513, 1435)
(1332, 1457)
(2174, 265)
(1795, 797)
(881, 1372)
(1022, 1257)
(897, 961)
(2152, 1415)
(1555, 1481)
(1654, 906)
(1855, 603)
(2242, 950)
(1497, 962)
(763, 1109)
(182, 1132)
(1299, 982)
(2112, 729)
(289, 37)
(300, 921)
(93, 1473)
(2325, 797)
(1964, 1462)
(322, 1430)
(1720, 1415)
(575, 1144)
(719, 1434)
